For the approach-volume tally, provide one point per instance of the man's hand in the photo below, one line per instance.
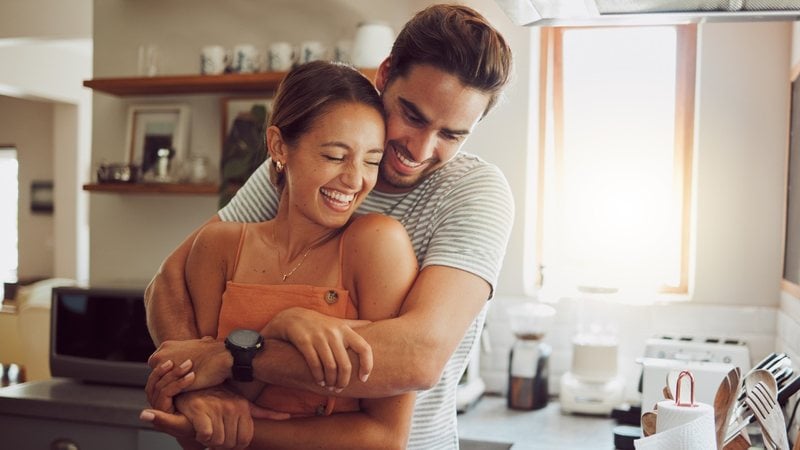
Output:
(213, 417)
(209, 360)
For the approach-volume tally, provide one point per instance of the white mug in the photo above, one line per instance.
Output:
(311, 51)
(372, 44)
(213, 60)
(245, 58)
(281, 56)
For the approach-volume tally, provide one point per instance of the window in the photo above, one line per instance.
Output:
(9, 199)
(615, 163)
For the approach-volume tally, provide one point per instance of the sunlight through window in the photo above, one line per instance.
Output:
(614, 173)
(9, 198)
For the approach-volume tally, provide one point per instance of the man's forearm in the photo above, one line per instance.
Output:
(400, 364)
(409, 351)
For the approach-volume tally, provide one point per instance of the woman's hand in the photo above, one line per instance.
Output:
(323, 341)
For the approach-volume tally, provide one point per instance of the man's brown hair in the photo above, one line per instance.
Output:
(459, 41)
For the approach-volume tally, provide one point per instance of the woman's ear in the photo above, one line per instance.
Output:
(276, 147)
(382, 77)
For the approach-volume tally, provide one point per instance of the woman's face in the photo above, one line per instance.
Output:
(334, 165)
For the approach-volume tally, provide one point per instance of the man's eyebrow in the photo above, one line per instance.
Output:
(412, 108)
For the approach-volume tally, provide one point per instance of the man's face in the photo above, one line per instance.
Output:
(429, 113)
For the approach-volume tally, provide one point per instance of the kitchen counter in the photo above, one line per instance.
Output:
(491, 420)
(93, 415)
(60, 412)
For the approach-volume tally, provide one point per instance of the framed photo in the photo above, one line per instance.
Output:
(153, 127)
(42, 196)
(233, 107)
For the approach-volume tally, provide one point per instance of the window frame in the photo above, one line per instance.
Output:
(551, 102)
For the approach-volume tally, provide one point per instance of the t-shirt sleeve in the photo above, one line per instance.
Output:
(256, 201)
(473, 225)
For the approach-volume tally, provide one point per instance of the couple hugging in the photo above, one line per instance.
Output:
(288, 321)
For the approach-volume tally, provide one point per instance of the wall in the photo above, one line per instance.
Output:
(45, 54)
(787, 337)
(48, 19)
(28, 125)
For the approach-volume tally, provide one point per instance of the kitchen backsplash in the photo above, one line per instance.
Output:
(764, 329)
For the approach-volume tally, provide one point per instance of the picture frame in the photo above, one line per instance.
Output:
(155, 126)
(42, 197)
(232, 107)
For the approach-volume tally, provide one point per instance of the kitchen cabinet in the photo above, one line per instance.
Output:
(226, 84)
(67, 414)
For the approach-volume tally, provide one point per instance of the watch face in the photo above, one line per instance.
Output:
(244, 338)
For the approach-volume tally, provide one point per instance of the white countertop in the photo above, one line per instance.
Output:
(491, 420)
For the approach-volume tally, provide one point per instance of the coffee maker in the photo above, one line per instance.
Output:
(528, 364)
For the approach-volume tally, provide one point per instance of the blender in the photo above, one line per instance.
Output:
(528, 365)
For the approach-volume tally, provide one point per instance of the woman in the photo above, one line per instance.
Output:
(285, 276)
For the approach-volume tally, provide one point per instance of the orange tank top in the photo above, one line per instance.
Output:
(252, 306)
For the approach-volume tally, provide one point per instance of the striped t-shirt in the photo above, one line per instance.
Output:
(460, 216)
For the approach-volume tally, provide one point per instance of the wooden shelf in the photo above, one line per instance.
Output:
(154, 188)
(194, 84)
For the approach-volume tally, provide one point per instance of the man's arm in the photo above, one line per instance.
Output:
(409, 351)
(170, 315)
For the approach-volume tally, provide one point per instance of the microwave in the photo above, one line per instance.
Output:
(99, 335)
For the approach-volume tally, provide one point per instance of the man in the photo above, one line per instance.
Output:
(446, 70)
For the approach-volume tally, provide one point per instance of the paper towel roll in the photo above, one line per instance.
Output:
(681, 428)
(672, 416)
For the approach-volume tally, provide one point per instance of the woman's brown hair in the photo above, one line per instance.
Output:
(308, 91)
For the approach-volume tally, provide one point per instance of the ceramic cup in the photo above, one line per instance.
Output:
(245, 58)
(372, 44)
(311, 51)
(281, 56)
(213, 60)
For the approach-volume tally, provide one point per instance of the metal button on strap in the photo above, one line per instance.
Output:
(331, 297)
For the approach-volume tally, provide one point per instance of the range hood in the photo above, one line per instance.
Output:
(645, 12)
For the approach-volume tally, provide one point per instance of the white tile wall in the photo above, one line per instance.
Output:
(634, 324)
(764, 329)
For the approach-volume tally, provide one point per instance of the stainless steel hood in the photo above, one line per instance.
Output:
(646, 12)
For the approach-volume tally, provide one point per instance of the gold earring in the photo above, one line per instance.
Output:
(279, 166)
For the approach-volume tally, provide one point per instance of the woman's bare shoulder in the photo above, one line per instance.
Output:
(219, 234)
(372, 228)
(375, 238)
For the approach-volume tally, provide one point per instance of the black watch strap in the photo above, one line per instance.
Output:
(243, 346)
(242, 372)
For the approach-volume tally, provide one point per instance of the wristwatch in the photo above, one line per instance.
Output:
(243, 345)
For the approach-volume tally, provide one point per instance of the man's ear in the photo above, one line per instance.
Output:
(382, 77)
(276, 147)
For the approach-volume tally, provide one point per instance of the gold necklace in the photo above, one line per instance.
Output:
(311, 246)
